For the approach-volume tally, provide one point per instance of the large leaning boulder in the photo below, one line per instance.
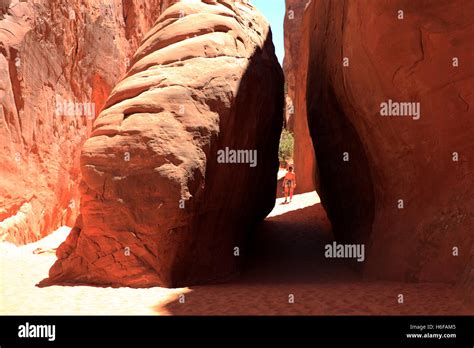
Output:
(390, 84)
(58, 62)
(163, 201)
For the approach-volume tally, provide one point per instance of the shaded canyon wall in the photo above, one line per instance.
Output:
(402, 185)
(58, 63)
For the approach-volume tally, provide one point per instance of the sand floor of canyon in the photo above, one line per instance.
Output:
(287, 259)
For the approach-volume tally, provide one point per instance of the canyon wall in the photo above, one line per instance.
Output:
(401, 184)
(53, 54)
(161, 203)
(293, 26)
(295, 67)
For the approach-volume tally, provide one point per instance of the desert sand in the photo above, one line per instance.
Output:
(286, 259)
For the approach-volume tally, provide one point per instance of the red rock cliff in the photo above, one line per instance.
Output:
(295, 66)
(52, 54)
(159, 206)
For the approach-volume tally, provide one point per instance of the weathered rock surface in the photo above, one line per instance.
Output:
(295, 66)
(53, 52)
(156, 207)
(293, 26)
(396, 158)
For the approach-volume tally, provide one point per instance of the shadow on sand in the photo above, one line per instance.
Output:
(286, 252)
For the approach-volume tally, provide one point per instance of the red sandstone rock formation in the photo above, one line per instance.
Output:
(53, 52)
(428, 163)
(157, 207)
(295, 66)
(293, 26)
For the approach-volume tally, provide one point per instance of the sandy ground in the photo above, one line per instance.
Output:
(286, 263)
(21, 269)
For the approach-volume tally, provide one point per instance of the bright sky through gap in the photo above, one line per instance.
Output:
(274, 11)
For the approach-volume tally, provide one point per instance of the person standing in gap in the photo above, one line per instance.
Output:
(289, 184)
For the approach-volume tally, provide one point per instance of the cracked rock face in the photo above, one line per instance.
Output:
(406, 189)
(55, 52)
(157, 208)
